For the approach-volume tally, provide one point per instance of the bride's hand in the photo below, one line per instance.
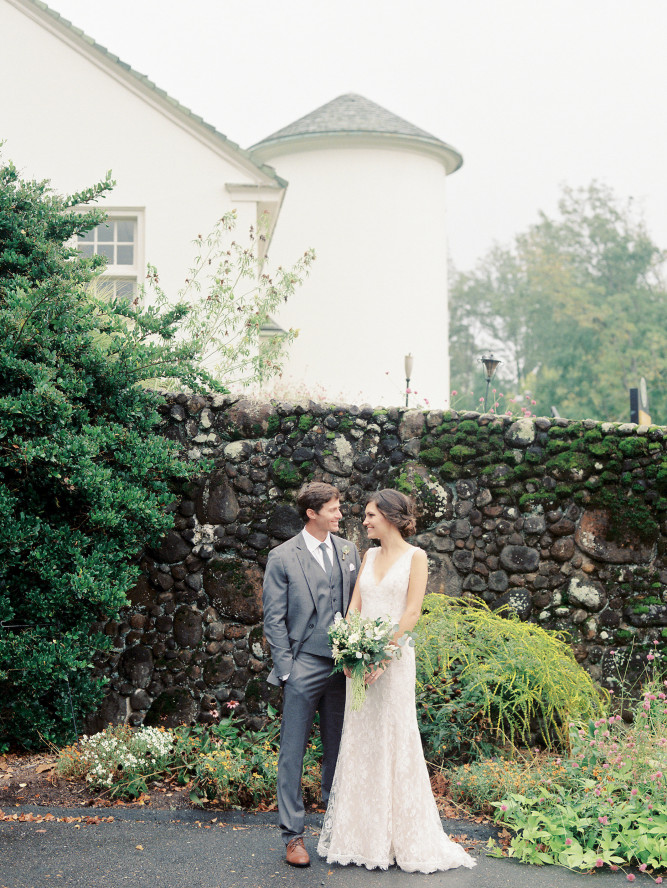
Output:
(347, 672)
(376, 672)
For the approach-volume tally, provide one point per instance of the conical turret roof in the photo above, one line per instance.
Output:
(352, 115)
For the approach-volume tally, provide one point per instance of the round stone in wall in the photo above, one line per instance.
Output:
(187, 627)
(136, 664)
(284, 523)
(522, 559)
(171, 548)
(234, 589)
(173, 707)
(514, 601)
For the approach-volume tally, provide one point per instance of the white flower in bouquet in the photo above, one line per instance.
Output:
(360, 645)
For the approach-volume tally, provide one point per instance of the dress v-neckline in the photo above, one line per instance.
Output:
(391, 567)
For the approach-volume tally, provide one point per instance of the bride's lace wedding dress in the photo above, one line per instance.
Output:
(381, 809)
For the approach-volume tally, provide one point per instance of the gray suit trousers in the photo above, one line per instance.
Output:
(310, 688)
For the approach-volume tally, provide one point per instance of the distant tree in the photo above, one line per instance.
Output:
(576, 307)
(84, 480)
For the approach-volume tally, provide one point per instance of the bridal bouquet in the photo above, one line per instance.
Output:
(360, 644)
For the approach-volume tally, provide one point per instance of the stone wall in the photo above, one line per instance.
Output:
(562, 522)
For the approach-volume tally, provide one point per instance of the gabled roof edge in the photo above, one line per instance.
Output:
(38, 8)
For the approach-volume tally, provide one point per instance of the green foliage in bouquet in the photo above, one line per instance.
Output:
(485, 681)
(84, 481)
(361, 645)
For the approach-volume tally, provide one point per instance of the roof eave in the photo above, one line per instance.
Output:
(272, 148)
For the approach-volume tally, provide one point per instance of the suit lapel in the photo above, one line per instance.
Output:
(344, 569)
(308, 566)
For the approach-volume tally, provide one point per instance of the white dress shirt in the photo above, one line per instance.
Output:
(314, 547)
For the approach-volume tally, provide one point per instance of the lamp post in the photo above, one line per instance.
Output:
(490, 367)
(409, 361)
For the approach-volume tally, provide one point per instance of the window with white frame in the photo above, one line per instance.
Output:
(118, 240)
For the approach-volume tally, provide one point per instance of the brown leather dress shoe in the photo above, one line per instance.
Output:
(296, 853)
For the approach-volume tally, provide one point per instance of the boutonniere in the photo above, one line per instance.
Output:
(345, 552)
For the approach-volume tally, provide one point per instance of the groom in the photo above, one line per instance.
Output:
(307, 581)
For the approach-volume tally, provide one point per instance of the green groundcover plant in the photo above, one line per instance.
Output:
(222, 764)
(486, 681)
(84, 481)
(607, 806)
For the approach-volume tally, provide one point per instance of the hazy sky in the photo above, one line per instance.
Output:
(533, 94)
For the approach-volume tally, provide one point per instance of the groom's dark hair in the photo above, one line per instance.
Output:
(313, 496)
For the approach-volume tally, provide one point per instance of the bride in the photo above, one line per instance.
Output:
(381, 809)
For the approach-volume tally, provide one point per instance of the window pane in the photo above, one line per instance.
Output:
(105, 231)
(125, 231)
(106, 250)
(125, 290)
(88, 236)
(86, 249)
(125, 255)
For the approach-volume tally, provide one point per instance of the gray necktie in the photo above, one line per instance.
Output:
(328, 566)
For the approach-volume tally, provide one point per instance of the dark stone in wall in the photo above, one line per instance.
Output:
(136, 664)
(172, 548)
(284, 523)
(217, 503)
(515, 601)
(234, 589)
(187, 627)
(523, 559)
(173, 707)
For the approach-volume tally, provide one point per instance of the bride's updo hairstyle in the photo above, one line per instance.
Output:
(397, 508)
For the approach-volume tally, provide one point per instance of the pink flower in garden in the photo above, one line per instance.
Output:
(613, 867)
(568, 841)
(642, 867)
(597, 791)
(503, 807)
(631, 878)
(658, 881)
(426, 401)
(533, 402)
(232, 704)
(454, 392)
(604, 820)
(650, 656)
(633, 792)
(599, 862)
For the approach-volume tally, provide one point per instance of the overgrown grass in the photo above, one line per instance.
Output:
(485, 682)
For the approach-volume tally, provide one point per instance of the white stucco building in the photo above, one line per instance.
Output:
(367, 190)
(364, 188)
(71, 111)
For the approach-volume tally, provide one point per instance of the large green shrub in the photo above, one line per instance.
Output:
(485, 681)
(84, 481)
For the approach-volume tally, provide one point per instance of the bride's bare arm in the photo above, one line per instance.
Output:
(416, 592)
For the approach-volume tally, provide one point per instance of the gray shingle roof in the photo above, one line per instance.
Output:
(353, 114)
(147, 83)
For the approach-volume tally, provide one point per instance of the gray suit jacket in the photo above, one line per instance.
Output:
(290, 581)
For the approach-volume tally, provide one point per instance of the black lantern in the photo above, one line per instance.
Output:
(408, 362)
(490, 367)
